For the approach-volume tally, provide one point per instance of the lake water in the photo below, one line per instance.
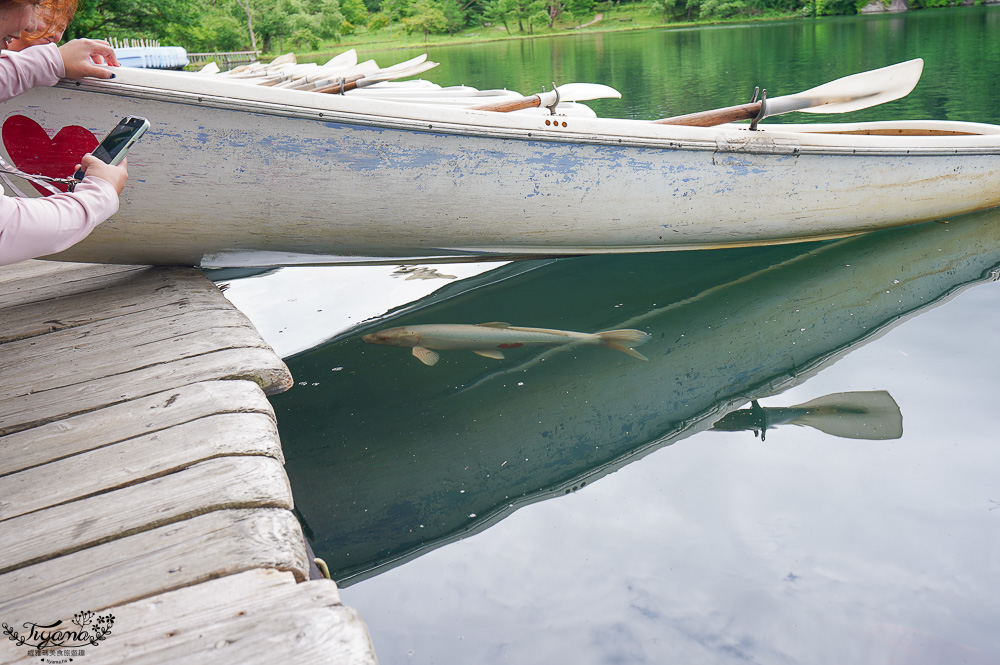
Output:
(583, 506)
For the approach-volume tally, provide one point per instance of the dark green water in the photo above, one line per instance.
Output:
(574, 506)
(668, 72)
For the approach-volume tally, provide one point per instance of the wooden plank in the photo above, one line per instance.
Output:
(146, 564)
(254, 617)
(135, 292)
(308, 632)
(215, 484)
(259, 365)
(35, 270)
(120, 422)
(111, 347)
(33, 281)
(137, 460)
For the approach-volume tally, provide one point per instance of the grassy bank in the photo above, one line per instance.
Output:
(629, 17)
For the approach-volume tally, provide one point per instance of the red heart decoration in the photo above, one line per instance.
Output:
(32, 151)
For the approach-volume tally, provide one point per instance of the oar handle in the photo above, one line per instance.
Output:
(715, 116)
(510, 105)
(349, 83)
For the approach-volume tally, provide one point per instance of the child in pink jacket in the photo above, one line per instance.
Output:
(33, 227)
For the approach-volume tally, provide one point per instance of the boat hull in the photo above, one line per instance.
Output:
(222, 181)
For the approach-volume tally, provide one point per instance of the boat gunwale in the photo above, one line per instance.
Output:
(739, 139)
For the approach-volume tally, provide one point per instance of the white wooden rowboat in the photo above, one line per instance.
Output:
(237, 174)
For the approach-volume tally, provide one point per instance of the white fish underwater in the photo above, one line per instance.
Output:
(490, 339)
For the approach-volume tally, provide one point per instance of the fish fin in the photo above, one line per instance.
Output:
(424, 355)
(494, 324)
(489, 353)
(623, 340)
(624, 349)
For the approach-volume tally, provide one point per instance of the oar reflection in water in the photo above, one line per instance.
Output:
(870, 415)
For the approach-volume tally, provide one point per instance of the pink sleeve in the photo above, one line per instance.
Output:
(33, 227)
(34, 66)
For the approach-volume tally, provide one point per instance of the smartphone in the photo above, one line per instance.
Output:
(114, 146)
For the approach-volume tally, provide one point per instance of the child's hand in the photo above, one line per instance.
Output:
(116, 175)
(84, 57)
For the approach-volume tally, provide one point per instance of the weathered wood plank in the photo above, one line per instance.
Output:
(134, 293)
(254, 617)
(306, 631)
(146, 564)
(259, 365)
(137, 460)
(215, 484)
(132, 467)
(33, 281)
(119, 422)
(111, 347)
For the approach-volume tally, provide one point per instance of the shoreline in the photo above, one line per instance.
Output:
(393, 45)
(605, 25)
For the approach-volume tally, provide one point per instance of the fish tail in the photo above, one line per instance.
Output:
(624, 340)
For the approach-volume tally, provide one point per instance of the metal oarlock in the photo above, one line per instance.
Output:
(552, 107)
(763, 109)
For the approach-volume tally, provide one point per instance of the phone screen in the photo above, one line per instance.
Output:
(113, 143)
(111, 149)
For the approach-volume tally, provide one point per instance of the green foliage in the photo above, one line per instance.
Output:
(664, 8)
(131, 18)
(217, 30)
(722, 8)
(524, 11)
(454, 15)
(837, 7)
(273, 24)
(354, 11)
(426, 16)
(496, 11)
(377, 21)
(580, 9)
(224, 25)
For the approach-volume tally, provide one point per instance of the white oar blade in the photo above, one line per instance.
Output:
(348, 58)
(574, 92)
(286, 59)
(854, 92)
(856, 415)
(412, 62)
(384, 75)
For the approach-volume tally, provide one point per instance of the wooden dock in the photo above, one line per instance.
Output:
(142, 479)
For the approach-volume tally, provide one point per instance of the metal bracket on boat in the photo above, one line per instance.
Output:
(553, 105)
(763, 108)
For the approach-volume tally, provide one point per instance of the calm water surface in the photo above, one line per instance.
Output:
(577, 505)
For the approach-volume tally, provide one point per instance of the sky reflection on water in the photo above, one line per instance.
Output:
(806, 548)
(721, 548)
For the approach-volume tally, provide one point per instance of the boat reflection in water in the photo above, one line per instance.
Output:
(872, 415)
(390, 459)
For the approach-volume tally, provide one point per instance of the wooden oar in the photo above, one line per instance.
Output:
(329, 73)
(870, 415)
(850, 93)
(363, 80)
(570, 92)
